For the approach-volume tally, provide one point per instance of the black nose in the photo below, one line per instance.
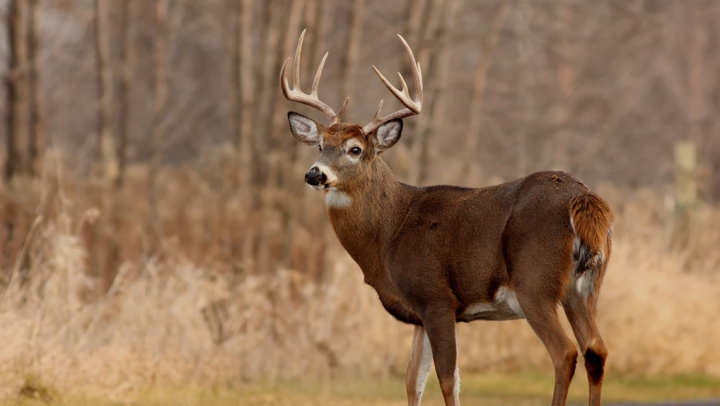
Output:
(315, 177)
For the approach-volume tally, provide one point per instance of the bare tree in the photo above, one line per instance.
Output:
(566, 73)
(275, 186)
(438, 94)
(106, 112)
(266, 75)
(247, 90)
(128, 59)
(160, 52)
(687, 37)
(279, 117)
(481, 71)
(525, 54)
(324, 14)
(417, 11)
(430, 32)
(17, 90)
(352, 50)
(35, 96)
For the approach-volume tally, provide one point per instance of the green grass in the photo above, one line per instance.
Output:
(489, 389)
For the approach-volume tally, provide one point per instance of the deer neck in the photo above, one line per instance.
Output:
(367, 215)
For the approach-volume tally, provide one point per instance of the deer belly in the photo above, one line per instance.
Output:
(400, 310)
(504, 307)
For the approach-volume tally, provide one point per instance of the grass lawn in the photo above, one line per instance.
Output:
(515, 390)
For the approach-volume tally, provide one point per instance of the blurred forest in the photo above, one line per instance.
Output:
(149, 139)
(119, 89)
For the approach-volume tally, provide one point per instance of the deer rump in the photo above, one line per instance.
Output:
(472, 249)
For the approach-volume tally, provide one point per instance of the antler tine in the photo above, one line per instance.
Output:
(377, 113)
(284, 82)
(296, 63)
(417, 74)
(405, 90)
(296, 95)
(403, 95)
(318, 74)
(340, 113)
(413, 106)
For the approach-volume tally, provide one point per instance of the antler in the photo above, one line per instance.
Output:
(413, 106)
(311, 99)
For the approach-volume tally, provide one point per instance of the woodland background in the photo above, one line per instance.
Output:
(154, 225)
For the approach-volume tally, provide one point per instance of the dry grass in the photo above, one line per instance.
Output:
(487, 389)
(191, 317)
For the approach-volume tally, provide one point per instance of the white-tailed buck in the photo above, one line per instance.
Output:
(440, 255)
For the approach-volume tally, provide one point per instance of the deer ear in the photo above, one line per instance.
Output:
(388, 134)
(305, 129)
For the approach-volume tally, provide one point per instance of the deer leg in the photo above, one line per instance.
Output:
(542, 316)
(418, 367)
(440, 327)
(581, 315)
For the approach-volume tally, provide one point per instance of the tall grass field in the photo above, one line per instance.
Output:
(203, 313)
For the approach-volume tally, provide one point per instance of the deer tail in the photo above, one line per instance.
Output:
(591, 221)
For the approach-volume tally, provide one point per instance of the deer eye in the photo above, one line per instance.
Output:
(355, 151)
(320, 148)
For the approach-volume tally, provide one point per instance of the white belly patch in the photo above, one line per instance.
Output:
(505, 306)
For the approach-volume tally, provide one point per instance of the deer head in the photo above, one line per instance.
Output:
(346, 150)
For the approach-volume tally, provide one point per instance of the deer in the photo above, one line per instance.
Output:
(440, 255)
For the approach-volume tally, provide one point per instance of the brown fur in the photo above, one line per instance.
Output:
(432, 252)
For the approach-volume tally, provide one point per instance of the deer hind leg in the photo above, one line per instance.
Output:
(542, 316)
(419, 366)
(441, 330)
(581, 314)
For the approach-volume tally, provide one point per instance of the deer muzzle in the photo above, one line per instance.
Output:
(315, 177)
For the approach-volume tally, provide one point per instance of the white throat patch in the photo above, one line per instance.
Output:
(337, 199)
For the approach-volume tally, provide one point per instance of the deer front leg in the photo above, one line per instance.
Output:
(440, 327)
(418, 367)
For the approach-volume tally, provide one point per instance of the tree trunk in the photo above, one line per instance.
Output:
(352, 54)
(525, 53)
(245, 110)
(278, 133)
(128, 58)
(685, 194)
(160, 103)
(279, 162)
(430, 34)
(264, 77)
(326, 12)
(416, 16)
(697, 104)
(310, 24)
(246, 107)
(106, 140)
(476, 103)
(17, 91)
(282, 147)
(566, 73)
(267, 79)
(436, 115)
(37, 116)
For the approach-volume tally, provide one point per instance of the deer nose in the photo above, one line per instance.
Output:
(315, 177)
